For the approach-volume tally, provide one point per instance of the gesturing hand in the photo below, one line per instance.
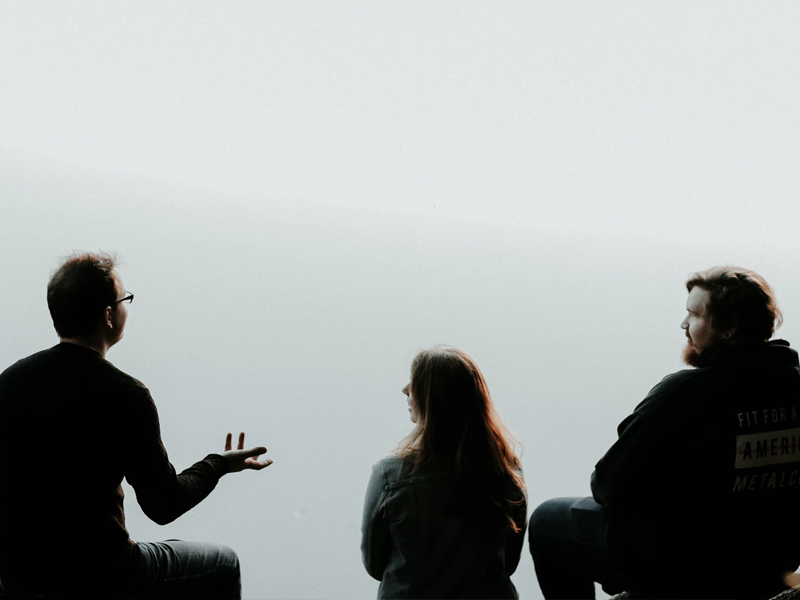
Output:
(241, 459)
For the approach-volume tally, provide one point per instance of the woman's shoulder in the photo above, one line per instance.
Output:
(391, 461)
(388, 468)
(397, 470)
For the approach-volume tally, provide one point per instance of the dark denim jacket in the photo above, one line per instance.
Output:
(419, 547)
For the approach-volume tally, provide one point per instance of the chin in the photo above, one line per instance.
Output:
(690, 355)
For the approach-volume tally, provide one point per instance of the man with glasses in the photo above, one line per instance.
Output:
(71, 427)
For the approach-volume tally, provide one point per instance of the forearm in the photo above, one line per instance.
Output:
(622, 471)
(163, 495)
(605, 487)
(166, 498)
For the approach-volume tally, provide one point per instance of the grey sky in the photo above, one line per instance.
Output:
(305, 194)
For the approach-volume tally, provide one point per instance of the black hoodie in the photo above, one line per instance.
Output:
(703, 484)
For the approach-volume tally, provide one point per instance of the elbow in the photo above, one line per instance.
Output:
(162, 509)
(367, 564)
(161, 519)
(159, 516)
(599, 489)
(376, 574)
(374, 569)
(593, 483)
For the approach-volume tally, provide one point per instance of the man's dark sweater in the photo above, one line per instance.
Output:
(71, 427)
(703, 485)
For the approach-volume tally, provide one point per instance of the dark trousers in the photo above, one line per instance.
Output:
(178, 569)
(568, 541)
(170, 569)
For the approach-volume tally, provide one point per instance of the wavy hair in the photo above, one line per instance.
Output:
(458, 428)
(739, 298)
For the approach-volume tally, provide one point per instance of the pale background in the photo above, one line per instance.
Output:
(304, 194)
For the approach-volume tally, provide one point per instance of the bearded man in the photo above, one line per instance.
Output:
(698, 496)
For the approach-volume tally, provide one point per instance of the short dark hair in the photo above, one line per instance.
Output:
(739, 298)
(78, 292)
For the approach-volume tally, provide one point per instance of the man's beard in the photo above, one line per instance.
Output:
(690, 354)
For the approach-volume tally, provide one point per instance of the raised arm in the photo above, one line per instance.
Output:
(164, 495)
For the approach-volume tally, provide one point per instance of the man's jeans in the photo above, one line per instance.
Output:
(568, 541)
(170, 569)
(178, 569)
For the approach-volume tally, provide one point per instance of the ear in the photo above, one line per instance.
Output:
(730, 333)
(107, 318)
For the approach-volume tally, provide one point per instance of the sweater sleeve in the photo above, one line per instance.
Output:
(375, 535)
(162, 494)
(631, 469)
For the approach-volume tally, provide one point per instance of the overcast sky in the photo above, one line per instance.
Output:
(305, 194)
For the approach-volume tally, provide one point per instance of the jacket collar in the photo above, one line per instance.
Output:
(775, 353)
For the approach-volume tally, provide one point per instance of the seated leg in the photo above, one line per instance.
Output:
(567, 539)
(178, 569)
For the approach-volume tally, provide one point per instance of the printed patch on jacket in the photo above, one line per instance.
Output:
(767, 448)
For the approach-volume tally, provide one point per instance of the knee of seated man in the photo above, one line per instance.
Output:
(548, 520)
(229, 558)
(219, 559)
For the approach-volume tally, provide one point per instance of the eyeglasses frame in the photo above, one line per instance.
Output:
(127, 298)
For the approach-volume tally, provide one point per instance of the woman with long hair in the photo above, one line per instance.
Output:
(444, 515)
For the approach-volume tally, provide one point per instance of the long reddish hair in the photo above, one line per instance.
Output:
(459, 428)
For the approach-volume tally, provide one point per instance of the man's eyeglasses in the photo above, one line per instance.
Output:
(127, 298)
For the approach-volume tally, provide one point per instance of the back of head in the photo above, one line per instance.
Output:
(459, 428)
(740, 299)
(78, 292)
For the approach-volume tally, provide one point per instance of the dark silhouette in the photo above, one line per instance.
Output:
(444, 516)
(697, 497)
(71, 427)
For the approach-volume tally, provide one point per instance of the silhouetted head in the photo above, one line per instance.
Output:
(457, 427)
(83, 296)
(450, 397)
(727, 305)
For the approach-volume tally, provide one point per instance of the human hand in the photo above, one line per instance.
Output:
(241, 459)
(792, 580)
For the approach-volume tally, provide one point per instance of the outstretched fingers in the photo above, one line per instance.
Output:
(241, 459)
(252, 462)
(257, 465)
